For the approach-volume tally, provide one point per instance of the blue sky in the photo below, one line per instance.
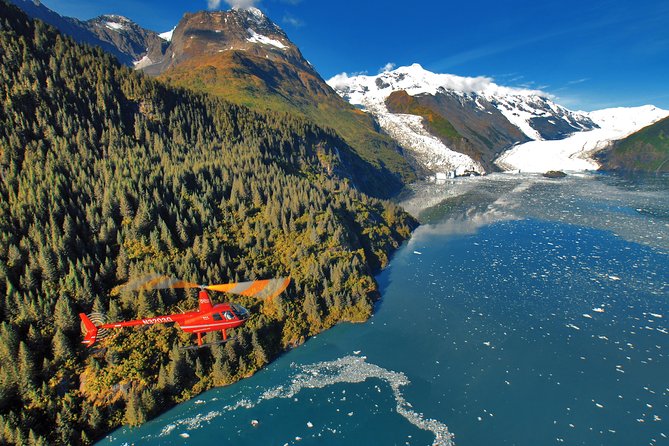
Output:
(590, 54)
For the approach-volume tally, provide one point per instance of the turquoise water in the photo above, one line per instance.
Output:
(525, 312)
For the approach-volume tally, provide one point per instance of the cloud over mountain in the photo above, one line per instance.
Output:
(235, 4)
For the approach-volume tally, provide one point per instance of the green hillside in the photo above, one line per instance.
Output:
(646, 150)
(106, 175)
(261, 84)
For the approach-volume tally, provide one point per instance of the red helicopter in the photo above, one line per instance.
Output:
(207, 318)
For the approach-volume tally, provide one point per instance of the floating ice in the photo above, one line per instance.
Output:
(190, 423)
(349, 369)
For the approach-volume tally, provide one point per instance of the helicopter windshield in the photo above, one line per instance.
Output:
(240, 311)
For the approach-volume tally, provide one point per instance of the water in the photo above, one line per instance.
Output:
(526, 312)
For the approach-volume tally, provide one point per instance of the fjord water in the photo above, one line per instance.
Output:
(525, 311)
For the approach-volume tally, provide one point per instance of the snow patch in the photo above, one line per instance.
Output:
(115, 26)
(259, 38)
(143, 62)
(521, 107)
(167, 35)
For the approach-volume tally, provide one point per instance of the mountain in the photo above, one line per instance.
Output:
(577, 151)
(242, 56)
(139, 44)
(117, 35)
(209, 33)
(457, 123)
(645, 150)
(108, 174)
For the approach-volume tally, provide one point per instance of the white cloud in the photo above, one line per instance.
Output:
(578, 81)
(339, 81)
(387, 67)
(292, 20)
(235, 4)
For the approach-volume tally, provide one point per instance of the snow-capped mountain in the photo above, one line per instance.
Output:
(485, 118)
(209, 33)
(576, 152)
(140, 44)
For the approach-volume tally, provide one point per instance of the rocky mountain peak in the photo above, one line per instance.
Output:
(211, 33)
(141, 45)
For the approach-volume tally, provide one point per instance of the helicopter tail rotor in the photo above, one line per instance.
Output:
(90, 327)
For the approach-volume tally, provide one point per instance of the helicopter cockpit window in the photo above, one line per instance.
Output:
(228, 315)
(217, 317)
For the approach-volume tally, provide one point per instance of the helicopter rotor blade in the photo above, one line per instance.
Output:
(158, 282)
(260, 289)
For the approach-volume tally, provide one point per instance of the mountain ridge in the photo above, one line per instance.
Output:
(115, 34)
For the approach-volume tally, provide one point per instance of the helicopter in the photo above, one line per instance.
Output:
(207, 318)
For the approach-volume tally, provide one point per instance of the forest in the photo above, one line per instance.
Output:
(107, 175)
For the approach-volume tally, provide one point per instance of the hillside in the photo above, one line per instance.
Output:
(106, 175)
(646, 150)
